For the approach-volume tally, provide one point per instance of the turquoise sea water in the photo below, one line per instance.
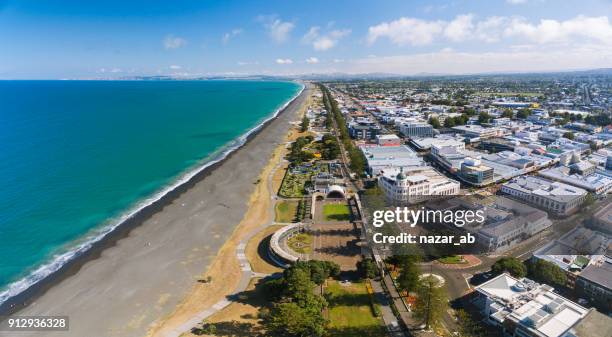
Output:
(77, 155)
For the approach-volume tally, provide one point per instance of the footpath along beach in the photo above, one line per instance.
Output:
(148, 280)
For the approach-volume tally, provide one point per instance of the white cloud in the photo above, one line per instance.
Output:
(338, 60)
(230, 35)
(405, 31)
(324, 42)
(244, 63)
(174, 42)
(418, 32)
(312, 60)
(284, 61)
(460, 28)
(516, 2)
(175, 67)
(312, 34)
(580, 28)
(491, 29)
(277, 29)
(451, 62)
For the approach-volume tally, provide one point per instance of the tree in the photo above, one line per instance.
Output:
(467, 326)
(305, 123)
(511, 265)
(547, 272)
(290, 319)
(483, 117)
(449, 122)
(298, 285)
(408, 279)
(431, 302)
(434, 122)
(523, 113)
(507, 113)
(569, 135)
(470, 111)
(461, 120)
(367, 268)
(358, 160)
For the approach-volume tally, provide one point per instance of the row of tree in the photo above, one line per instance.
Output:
(356, 157)
(537, 269)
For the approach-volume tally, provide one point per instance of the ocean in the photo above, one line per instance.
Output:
(78, 157)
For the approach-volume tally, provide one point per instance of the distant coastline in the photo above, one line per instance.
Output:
(21, 293)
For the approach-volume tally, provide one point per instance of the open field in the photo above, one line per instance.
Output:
(286, 211)
(350, 311)
(337, 243)
(336, 212)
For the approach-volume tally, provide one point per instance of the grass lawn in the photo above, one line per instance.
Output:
(452, 259)
(350, 311)
(300, 243)
(336, 212)
(286, 211)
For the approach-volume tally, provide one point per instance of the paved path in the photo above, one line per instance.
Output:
(393, 327)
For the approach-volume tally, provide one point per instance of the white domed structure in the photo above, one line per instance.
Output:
(335, 192)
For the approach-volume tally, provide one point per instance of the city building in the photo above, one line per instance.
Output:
(507, 222)
(595, 284)
(380, 158)
(473, 171)
(424, 144)
(593, 182)
(602, 219)
(416, 130)
(574, 251)
(555, 197)
(363, 128)
(415, 184)
(477, 131)
(510, 222)
(524, 308)
(388, 140)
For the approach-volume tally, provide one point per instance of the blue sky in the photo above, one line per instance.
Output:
(91, 39)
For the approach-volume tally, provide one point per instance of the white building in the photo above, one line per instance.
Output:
(416, 185)
(556, 197)
(381, 158)
(388, 140)
(595, 182)
(416, 130)
(525, 308)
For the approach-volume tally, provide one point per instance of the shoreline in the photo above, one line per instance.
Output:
(108, 236)
(230, 272)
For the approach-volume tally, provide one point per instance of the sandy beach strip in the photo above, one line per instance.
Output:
(140, 279)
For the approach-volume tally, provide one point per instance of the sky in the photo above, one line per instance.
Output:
(46, 39)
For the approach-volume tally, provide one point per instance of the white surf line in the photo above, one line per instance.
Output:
(83, 245)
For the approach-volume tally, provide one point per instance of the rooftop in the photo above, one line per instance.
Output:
(532, 305)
